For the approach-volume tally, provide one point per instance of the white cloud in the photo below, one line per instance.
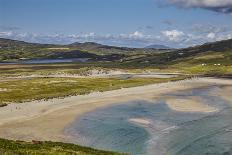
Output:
(211, 35)
(173, 35)
(172, 38)
(224, 6)
(89, 35)
(136, 34)
(6, 34)
(224, 37)
(204, 3)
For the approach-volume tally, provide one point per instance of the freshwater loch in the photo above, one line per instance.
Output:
(140, 127)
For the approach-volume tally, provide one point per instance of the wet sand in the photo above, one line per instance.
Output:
(46, 120)
(141, 121)
(190, 105)
(226, 93)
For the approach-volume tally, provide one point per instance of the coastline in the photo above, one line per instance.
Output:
(46, 120)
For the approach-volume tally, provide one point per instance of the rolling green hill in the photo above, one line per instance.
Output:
(178, 55)
(13, 50)
(105, 49)
(211, 58)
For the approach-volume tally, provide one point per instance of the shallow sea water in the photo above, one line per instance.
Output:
(168, 131)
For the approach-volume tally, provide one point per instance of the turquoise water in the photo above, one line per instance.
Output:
(190, 133)
(209, 135)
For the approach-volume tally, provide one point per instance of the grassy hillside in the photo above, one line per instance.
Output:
(13, 50)
(10, 147)
(212, 58)
(214, 63)
(169, 58)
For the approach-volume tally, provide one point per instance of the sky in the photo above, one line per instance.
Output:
(131, 23)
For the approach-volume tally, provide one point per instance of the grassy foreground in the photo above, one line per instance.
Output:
(10, 147)
(21, 90)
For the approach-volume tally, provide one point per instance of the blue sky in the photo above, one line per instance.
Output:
(133, 23)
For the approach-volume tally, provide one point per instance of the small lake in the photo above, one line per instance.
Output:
(141, 127)
(47, 61)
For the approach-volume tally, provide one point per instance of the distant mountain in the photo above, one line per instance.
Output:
(10, 43)
(106, 49)
(157, 47)
(218, 46)
(93, 46)
(86, 45)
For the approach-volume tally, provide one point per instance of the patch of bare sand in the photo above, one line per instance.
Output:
(153, 125)
(192, 104)
(3, 89)
(141, 121)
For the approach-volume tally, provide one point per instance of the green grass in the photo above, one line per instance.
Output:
(14, 52)
(210, 60)
(21, 90)
(46, 69)
(10, 147)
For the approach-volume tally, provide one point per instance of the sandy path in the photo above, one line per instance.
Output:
(46, 120)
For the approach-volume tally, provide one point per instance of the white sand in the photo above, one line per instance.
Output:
(140, 121)
(46, 120)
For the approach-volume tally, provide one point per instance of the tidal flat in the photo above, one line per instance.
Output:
(140, 127)
(136, 120)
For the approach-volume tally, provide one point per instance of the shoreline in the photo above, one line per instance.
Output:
(46, 120)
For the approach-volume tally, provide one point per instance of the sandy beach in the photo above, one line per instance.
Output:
(46, 120)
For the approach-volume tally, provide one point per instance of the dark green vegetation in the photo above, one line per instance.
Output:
(27, 89)
(10, 147)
